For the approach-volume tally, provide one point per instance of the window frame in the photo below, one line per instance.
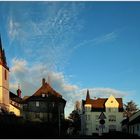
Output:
(37, 104)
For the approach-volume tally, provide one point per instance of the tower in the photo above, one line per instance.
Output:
(4, 80)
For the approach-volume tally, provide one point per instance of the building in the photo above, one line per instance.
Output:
(101, 114)
(8, 100)
(45, 105)
(134, 124)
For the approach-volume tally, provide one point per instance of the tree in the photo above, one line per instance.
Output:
(76, 121)
(130, 108)
(76, 118)
(77, 105)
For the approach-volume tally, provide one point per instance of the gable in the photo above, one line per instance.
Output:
(112, 102)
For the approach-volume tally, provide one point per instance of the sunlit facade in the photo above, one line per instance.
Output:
(93, 110)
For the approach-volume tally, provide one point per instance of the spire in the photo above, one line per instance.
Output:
(0, 43)
(4, 58)
(19, 91)
(1, 54)
(87, 97)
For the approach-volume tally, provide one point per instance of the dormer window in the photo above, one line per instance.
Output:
(43, 95)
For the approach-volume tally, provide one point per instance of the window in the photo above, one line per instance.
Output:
(112, 118)
(97, 118)
(112, 127)
(137, 127)
(37, 104)
(112, 109)
(87, 117)
(87, 108)
(109, 109)
(111, 101)
(37, 115)
(43, 95)
(5, 73)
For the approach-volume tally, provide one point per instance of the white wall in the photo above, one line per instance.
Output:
(4, 87)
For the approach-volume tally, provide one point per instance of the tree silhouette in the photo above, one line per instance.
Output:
(130, 108)
(75, 117)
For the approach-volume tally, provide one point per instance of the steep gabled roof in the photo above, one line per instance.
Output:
(50, 94)
(47, 90)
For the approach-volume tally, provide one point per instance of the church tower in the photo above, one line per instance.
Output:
(4, 80)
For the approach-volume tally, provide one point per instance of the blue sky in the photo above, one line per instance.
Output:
(80, 45)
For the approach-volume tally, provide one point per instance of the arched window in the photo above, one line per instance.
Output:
(5, 73)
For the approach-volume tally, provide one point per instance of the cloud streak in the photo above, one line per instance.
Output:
(109, 37)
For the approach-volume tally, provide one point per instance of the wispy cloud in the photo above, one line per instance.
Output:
(112, 36)
(49, 36)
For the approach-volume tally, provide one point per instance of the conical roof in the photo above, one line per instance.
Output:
(2, 56)
(88, 98)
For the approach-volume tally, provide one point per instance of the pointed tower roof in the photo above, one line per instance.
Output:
(0, 48)
(19, 91)
(2, 56)
(0, 43)
(88, 98)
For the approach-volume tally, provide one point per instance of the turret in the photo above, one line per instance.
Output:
(2, 56)
(88, 102)
(19, 91)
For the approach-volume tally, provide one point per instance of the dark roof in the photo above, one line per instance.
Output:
(135, 121)
(99, 103)
(14, 97)
(125, 121)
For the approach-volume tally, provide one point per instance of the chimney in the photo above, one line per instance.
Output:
(43, 81)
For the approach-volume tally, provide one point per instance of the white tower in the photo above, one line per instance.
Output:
(4, 80)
